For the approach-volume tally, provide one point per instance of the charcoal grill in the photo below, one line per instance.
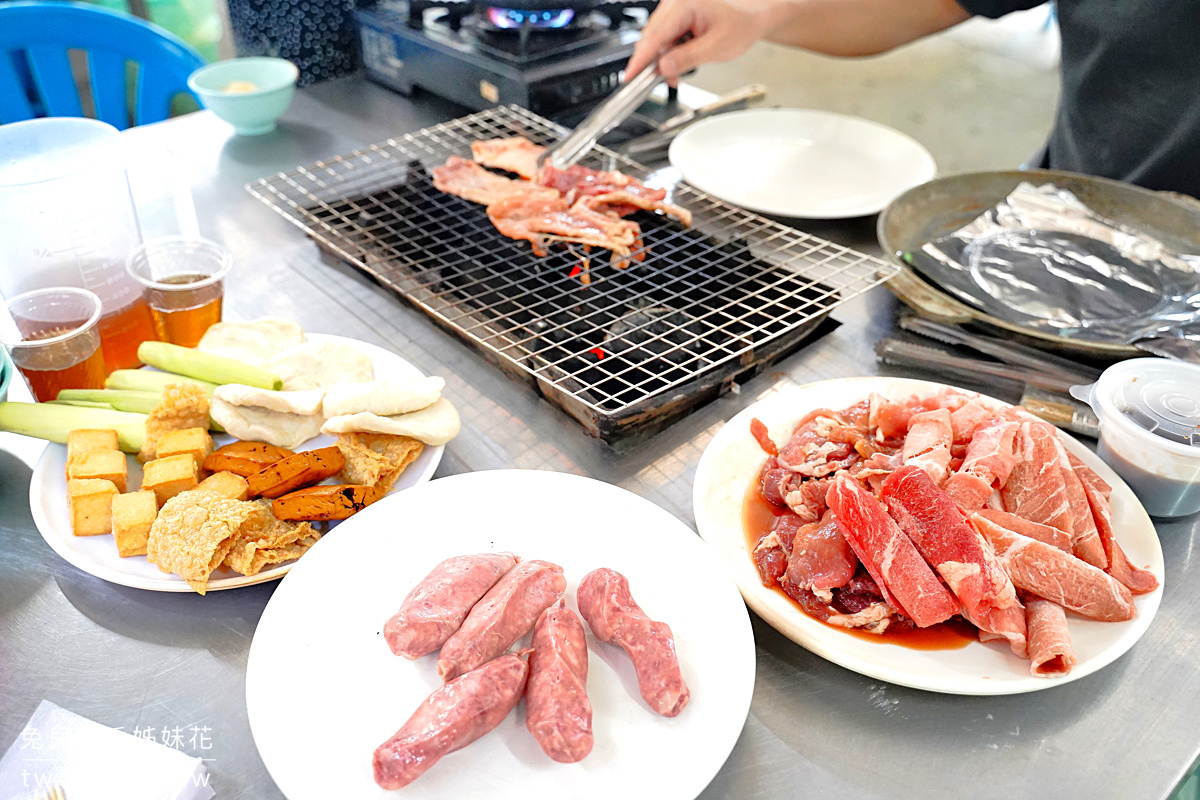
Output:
(623, 351)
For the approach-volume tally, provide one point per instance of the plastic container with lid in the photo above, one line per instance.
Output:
(1149, 410)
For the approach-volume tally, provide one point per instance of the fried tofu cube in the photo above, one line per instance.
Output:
(132, 517)
(226, 484)
(84, 441)
(90, 503)
(169, 476)
(109, 465)
(194, 441)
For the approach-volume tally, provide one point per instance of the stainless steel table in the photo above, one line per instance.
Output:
(141, 660)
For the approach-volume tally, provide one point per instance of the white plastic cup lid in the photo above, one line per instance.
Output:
(1156, 400)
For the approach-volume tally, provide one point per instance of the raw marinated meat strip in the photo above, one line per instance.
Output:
(906, 581)
(1048, 572)
(858, 604)
(769, 559)
(1035, 489)
(533, 218)
(820, 559)
(514, 154)
(820, 445)
(1137, 580)
(877, 467)
(927, 444)
(807, 498)
(966, 562)
(776, 482)
(1085, 539)
(1089, 476)
(1050, 650)
(468, 180)
(989, 461)
(1034, 530)
(784, 527)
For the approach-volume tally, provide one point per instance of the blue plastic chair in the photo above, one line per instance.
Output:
(35, 38)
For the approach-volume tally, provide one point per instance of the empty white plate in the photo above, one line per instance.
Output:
(800, 163)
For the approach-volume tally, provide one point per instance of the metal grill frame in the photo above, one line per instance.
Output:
(798, 266)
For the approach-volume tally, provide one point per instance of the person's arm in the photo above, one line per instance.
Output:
(724, 29)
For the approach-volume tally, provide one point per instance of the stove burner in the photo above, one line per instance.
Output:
(516, 19)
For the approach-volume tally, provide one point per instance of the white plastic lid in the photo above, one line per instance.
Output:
(1153, 400)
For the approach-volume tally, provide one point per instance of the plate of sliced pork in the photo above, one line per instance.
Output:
(928, 536)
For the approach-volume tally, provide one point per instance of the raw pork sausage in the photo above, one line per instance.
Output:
(557, 711)
(505, 614)
(614, 617)
(437, 606)
(455, 715)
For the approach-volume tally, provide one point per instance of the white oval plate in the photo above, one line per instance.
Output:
(733, 460)
(796, 162)
(320, 636)
(97, 555)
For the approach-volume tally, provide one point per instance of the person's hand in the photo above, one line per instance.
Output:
(721, 30)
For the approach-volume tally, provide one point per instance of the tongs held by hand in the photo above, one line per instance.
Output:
(608, 115)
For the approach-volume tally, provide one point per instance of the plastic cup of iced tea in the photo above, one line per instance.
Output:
(183, 283)
(53, 337)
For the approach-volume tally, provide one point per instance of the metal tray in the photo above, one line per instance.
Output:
(940, 207)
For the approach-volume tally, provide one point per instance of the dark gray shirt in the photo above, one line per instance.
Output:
(1130, 105)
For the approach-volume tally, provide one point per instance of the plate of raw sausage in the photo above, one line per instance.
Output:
(443, 575)
(873, 505)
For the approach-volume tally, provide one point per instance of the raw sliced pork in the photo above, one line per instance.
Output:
(928, 442)
(1035, 489)
(1050, 651)
(1136, 579)
(1050, 573)
(964, 559)
(906, 581)
(988, 462)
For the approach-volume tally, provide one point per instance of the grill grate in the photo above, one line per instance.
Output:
(621, 350)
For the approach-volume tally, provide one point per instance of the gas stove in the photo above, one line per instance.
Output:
(550, 56)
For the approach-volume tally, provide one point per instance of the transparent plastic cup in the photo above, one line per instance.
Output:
(1149, 410)
(182, 282)
(66, 219)
(54, 339)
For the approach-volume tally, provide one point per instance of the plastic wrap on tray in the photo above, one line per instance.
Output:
(1042, 259)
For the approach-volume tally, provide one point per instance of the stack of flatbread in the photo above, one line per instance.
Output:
(327, 387)
(277, 344)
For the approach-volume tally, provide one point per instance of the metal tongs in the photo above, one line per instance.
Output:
(608, 115)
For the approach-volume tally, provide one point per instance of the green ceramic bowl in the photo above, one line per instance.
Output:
(250, 94)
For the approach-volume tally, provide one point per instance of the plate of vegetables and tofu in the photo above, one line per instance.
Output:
(219, 466)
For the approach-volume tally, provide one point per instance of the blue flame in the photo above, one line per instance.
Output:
(512, 18)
